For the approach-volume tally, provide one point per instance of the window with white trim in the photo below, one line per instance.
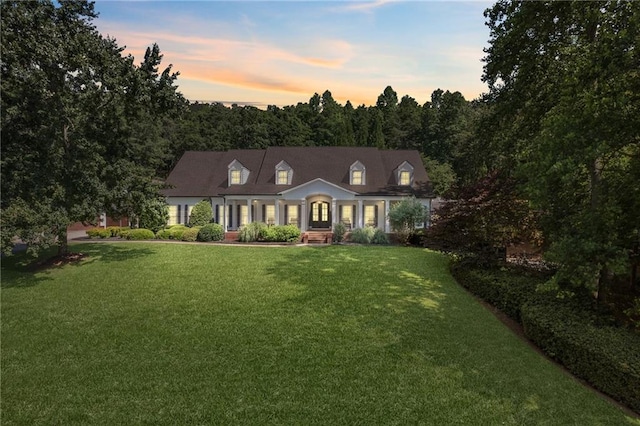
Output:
(270, 214)
(357, 174)
(236, 177)
(347, 214)
(370, 216)
(284, 173)
(283, 177)
(405, 178)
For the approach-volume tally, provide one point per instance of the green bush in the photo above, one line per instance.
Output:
(404, 216)
(339, 229)
(379, 237)
(502, 288)
(176, 231)
(117, 230)
(163, 234)
(211, 232)
(140, 234)
(252, 232)
(362, 235)
(190, 234)
(99, 233)
(607, 357)
(281, 233)
(201, 214)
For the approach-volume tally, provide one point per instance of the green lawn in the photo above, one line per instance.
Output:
(143, 333)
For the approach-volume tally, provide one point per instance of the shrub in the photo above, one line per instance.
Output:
(403, 217)
(254, 231)
(607, 357)
(362, 235)
(502, 288)
(153, 214)
(190, 234)
(140, 234)
(201, 214)
(338, 232)
(98, 233)
(163, 234)
(211, 232)
(176, 231)
(379, 237)
(281, 233)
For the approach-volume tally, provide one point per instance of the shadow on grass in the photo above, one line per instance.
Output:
(21, 270)
(406, 310)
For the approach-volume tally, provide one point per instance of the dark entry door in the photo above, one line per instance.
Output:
(320, 215)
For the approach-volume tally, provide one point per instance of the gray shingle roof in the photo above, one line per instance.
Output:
(205, 173)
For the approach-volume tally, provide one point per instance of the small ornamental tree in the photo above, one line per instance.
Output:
(484, 219)
(154, 214)
(404, 216)
(201, 214)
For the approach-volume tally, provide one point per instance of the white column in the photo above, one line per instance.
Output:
(225, 213)
(249, 217)
(303, 214)
(277, 209)
(360, 214)
(386, 216)
(334, 212)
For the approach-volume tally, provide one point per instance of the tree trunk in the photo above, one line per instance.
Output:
(63, 245)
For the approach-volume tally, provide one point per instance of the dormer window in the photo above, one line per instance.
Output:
(357, 174)
(404, 174)
(238, 174)
(284, 173)
(283, 177)
(405, 178)
(356, 177)
(236, 177)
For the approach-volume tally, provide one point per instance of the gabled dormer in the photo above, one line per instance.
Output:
(357, 174)
(284, 173)
(238, 174)
(404, 174)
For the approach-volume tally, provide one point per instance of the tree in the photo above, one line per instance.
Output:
(201, 214)
(80, 123)
(403, 217)
(565, 85)
(484, 219)
(441, 175)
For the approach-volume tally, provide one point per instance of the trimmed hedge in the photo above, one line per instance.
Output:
(139, 234)
(163, 234)
(502, 288)
(567, 330)
(607, 357)
(211, 232)
(99, 233)
(281, 233)
(116, 230)
(190, 234)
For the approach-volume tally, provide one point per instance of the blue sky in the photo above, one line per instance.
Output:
(281, 53)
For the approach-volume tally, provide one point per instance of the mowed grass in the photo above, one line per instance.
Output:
(143, 333)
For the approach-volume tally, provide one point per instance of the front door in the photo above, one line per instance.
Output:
(320, 215)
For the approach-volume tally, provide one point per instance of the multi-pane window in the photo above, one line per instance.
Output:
(347, 214)
(270, 214)
(236, 177)
(370, 215)
(283, 177)
(292, 212)
(244, 215)
(405, 178)
(356, 177)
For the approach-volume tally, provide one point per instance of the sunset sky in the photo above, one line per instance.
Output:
(281, 53)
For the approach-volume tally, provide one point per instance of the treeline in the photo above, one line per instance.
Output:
(443, 129)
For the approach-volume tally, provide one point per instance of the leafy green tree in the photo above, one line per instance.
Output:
(441, 175)
(154, 214)
(403, 217)
(80, 122)
(564, 84)
(201, 214)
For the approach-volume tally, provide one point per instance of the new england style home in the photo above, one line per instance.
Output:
(312, 188)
